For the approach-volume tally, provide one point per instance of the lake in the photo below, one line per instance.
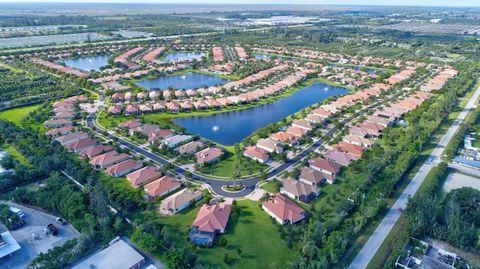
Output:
(183, 55)
(88, 63)
(190, 80)
(234, 126)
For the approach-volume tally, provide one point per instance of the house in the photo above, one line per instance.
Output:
(189, 148)
(179, 201)
(256, 154)
(162, 186)
(296, 131)
(115, 110)
(143, 175)
(123, 168)
(304, 124)
(325, 166)
(314, 119)
(72, 137)
(385, 122)
(57, 123)
(176, 140)
(339, 157)
(145, 129)
(95, 151)
(298, 190)
(284, 138)
(64, 115)
(60, 131)
(80, 145)
(131, 124)
(373, 129)
(349, 148)
(208, 155)
(283, 210)
(313, 177)
(108, 159)
(269, 145)
(159, 134)
(210, 221)
(358, 140)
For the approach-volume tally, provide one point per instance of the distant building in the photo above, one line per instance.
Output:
(8, 244)
(118, 255)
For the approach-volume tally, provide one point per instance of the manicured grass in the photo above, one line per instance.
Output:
(110, 122)
(16, 115)
(226, 167)
(270, 187)
(17, 155)
(253, 232)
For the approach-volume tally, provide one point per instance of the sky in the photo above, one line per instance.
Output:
(472, 3)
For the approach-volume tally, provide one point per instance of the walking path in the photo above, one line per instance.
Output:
(366, 254)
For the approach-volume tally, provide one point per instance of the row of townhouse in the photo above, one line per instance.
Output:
(104, 156)
(61, 68)
(190, 105)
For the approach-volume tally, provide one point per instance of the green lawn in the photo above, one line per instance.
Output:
(225, 168)
(17, 155)
(253, 232)
(270, 187)
(16, 115)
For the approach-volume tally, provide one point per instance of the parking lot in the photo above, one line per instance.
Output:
(36, 222)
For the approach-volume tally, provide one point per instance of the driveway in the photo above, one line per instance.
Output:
(36, 221)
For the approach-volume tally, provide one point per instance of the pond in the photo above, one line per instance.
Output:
(190, 80)
(88, 63)
(183, 55)
(232, 127)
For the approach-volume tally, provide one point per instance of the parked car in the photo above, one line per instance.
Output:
(62, 221)
(51, 229)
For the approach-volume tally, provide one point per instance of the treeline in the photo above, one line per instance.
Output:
(381, 169)
(454, 219)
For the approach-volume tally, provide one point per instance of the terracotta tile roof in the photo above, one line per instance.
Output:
(162, 186)
(284, 209)
(325, 165)
(143, 175)
(212, 218)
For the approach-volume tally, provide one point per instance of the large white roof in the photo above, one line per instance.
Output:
(119, 255)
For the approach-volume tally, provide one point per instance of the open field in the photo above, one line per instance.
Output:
(16, 115)
(17, 155)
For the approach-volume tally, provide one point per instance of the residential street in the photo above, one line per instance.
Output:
(373, 244)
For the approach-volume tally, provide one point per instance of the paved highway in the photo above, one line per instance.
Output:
(370, 248)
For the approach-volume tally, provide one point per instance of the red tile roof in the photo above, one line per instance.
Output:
(212, 218)
(284, 209)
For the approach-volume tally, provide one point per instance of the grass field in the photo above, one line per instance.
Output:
(253, 232)
(17, 155)
(16, 115)
(226, 167)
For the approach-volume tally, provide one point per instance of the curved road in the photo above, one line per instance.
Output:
(215, 184)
